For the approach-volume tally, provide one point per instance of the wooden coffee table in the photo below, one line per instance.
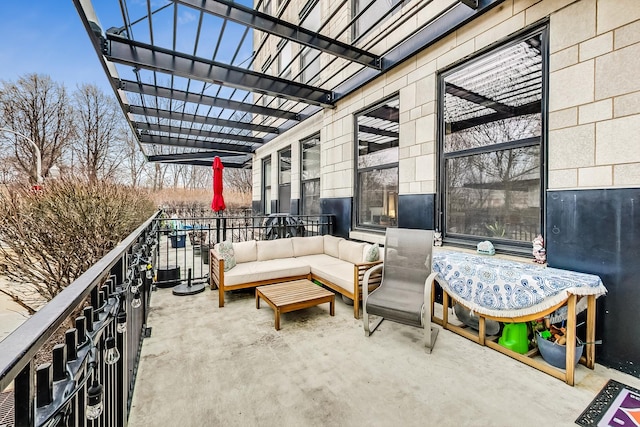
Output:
(295, 295)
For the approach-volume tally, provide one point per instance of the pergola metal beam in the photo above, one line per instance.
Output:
(194, 143)
(180, 95)
(206, 163)
(531, 108)
(468, 95)
(377, 131)
(278, 27)
(186, 117)
(436, 29)
(196, 132)
(191, 156)
(142, 55)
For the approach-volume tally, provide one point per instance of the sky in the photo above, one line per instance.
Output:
(47, 37)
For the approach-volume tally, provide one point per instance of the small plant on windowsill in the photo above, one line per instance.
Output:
(496, 229)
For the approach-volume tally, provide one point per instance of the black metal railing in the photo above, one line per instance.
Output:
(184, 242)
(89, 377)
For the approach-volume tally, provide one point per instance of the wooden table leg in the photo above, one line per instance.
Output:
(445, 308)
(591, 331)
(481, 330)
(257, 299)
(277, 321)
(332, 306)
(571, 340)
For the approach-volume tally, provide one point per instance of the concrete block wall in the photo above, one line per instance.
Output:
(594, 113)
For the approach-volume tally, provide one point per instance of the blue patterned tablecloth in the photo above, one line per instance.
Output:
(504, 288)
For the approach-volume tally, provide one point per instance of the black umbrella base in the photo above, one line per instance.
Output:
(188, 289)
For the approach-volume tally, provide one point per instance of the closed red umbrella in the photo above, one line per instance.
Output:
(217, 204)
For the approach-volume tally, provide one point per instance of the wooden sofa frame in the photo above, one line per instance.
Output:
(216, 281)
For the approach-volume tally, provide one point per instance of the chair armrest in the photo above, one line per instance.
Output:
(428, 299)
(216, 263)
(365, 280)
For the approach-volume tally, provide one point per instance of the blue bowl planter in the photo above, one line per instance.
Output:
(178, 240)
(556, 354)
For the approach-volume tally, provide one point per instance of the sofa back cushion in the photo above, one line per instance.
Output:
(313, 245)
(245, 251)
(331, 245)
(274, 249)
(351, 251)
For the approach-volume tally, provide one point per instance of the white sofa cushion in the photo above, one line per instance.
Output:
(331, 245)
(245, 251)
(274, 249)
(351, 251)
(312, 245)
(318, 259)
(255, 271)
(338, 272)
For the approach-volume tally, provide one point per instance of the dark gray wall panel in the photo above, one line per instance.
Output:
(341, 208)
(416, 211)
(598, 231)
(256, 207)
(295, 207)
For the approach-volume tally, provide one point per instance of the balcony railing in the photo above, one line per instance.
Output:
(185, 241)
(89, 375)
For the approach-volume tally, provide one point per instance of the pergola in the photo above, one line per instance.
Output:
(187, 77)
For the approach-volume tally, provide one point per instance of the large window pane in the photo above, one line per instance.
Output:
(284, 180)
(372, 14)
(378, 135)
(266, 186)
(378, 197)
(285, 166)
(492, 145)
(310, 178)
(311, 197)
(495, 194)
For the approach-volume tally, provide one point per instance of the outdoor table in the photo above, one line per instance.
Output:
(514, 291)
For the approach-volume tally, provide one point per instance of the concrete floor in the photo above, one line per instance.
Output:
(210, 366)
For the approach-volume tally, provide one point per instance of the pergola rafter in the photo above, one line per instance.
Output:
(213, 98)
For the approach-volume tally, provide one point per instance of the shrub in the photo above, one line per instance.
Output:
(50, 237)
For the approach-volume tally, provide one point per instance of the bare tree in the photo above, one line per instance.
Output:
(240, 180)
(99, 128)
(38, 108)
(134, 160)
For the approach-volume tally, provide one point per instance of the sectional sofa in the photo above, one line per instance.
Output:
(335, 262)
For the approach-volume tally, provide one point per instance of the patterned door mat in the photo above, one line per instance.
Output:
(617, 405)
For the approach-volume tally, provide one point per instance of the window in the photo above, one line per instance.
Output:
(370, 13)
(284, 180)
(266, 7)
(491, 146)
(310, 18)
(377, 135)
(284, 59)
(310, 179)
(266, 185)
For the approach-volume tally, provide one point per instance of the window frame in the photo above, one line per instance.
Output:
(501, 245)
(303, 181)
(357, 170)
